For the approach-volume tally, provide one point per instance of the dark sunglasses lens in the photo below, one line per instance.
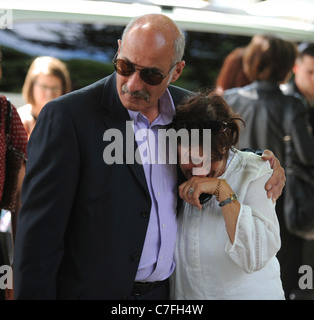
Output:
(151, 76)
(124, 68)
(215, 126)
(186, 125)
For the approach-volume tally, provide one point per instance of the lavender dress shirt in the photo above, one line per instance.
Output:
(157, 261)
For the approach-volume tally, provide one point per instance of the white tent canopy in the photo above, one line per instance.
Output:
(292, 19)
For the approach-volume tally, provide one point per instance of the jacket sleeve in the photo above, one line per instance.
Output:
(49, 186)
(302, 138)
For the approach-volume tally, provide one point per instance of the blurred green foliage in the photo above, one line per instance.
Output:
(85, 72)
(15, 65)
(204, 56)
(14, 68)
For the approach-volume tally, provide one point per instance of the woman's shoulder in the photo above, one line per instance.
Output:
(25, 112)
(2, 98)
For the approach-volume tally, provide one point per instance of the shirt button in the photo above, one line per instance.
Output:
(158, 193)
(164, 226)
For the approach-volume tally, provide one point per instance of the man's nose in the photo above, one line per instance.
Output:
(135, 83)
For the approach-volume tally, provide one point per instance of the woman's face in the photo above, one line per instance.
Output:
(46, 88)
(194, 163)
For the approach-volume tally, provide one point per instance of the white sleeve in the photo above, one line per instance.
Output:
(257, 238)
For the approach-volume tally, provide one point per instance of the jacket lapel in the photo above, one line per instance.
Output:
(115, 116)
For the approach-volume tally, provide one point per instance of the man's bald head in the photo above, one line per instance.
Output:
(162, 27)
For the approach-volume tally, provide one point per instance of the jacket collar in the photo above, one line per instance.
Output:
(266, 85)
(111, 102)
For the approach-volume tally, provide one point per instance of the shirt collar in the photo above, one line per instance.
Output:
(166, 111)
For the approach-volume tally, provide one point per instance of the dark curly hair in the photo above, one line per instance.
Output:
(210, 111)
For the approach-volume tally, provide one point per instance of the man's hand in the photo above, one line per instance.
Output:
(277, 181)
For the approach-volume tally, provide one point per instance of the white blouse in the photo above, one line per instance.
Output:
(208, 265)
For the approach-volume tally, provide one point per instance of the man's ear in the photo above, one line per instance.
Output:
(119, 46)
(178, 70)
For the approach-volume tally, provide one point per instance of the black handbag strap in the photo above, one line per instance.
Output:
(287, 119)
(8, 123)
(8, 118)
(287, 123)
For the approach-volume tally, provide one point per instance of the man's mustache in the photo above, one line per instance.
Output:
(140, 94)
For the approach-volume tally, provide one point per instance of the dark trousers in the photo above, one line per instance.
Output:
(294, 253)
(159, 291)
(289, 255)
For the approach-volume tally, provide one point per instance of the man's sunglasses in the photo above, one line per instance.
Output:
(151, 76)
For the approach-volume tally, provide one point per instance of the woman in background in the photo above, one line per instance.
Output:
(47, 79)
(231, 74)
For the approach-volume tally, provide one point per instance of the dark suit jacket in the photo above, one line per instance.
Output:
(264, 107)
(82, 226)
(291, 88)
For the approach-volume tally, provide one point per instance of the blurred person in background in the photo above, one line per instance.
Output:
(231, 74)
(302, 86)
(13, 141)
(46, 79)
(268, 61)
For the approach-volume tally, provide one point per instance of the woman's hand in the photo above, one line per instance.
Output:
(191, 189)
